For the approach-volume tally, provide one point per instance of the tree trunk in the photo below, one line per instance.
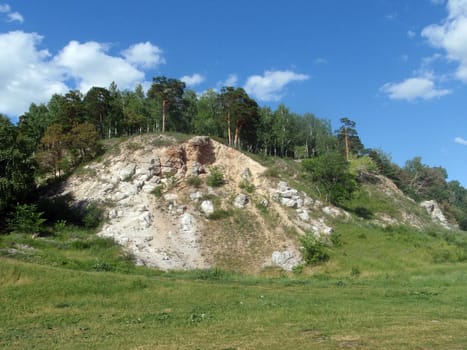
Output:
(229, 132)
(164, 104)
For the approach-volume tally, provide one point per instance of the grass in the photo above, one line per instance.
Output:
(45, 307)
(381, 288)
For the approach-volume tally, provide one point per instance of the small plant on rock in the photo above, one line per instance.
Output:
(194, 181)
(215, 178)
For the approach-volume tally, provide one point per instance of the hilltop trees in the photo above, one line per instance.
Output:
(169, 92)
(16, 168)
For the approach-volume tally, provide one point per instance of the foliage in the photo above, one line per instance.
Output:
(314, 250)
(16, 168)
(26, 219)
(158, 191)
(93, 215)
(247, 186)
(215, 177)
(194, 181)
(331, 176)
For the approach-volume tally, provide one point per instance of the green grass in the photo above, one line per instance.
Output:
(45, 307)
(380, 289)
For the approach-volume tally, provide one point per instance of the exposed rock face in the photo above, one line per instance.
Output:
(287, 259)
(435, 212)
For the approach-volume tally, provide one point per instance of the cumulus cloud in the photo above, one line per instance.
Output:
(413, 88)
(89, 64)
(411, 34)
(270, 86)
(450, 35)
(11, 16)
(30, 74)
(460, 141)
(193, 80)
(145, 55)
(26, 73)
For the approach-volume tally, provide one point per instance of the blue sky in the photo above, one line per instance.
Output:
(397, 68)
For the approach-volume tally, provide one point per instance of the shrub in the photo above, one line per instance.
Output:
(194, 181)
(314, 250)
(93, 215)
(247, 186)
(157, 191)
(330, 173)
(26, 219)
(215, 178)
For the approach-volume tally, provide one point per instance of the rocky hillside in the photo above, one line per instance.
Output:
(199, 204)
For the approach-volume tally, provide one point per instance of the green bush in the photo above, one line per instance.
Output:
(215, 178)
(158, 191)
(194, 181)
(93, 215)
(330, 173)
(314, 250)
(26, 219)
(247, 186)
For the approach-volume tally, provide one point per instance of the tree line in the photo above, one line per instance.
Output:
(54, 138)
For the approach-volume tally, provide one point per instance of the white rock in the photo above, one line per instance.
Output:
(435, 212)
(196, 196)
(303, 215)
(207, 207)
(127, 172)
(285, 259)
(171, 197)
(241, 201)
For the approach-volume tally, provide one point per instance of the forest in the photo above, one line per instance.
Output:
(51, 140)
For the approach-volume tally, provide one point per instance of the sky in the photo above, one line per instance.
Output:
(397, 68)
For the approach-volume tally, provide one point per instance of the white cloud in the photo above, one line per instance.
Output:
(145, 55)
(5, 8)
(270, 86)
(437, 2)
(90, 65)
(450, 35)
(30, 74)
(231, 80)
(193, 80)
(413, 88)
(411, 34)
(26, 73)
(11, 16)
(460, 141)
(15, 16)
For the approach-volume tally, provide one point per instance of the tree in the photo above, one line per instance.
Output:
(98, 108)
(32, 125)
(330, 173)
(51, 154)
(16, 168)
(348, 138)
(238, 110)
(83, 142)
(206, 120)
(170, 93)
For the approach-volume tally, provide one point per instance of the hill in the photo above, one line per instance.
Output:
(196, 203)
(238, 252)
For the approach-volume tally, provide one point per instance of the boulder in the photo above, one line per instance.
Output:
(287, 259)
(241, 201)
(127, 172)
(207, 207)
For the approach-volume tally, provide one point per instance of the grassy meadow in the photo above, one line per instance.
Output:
(394, 288)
